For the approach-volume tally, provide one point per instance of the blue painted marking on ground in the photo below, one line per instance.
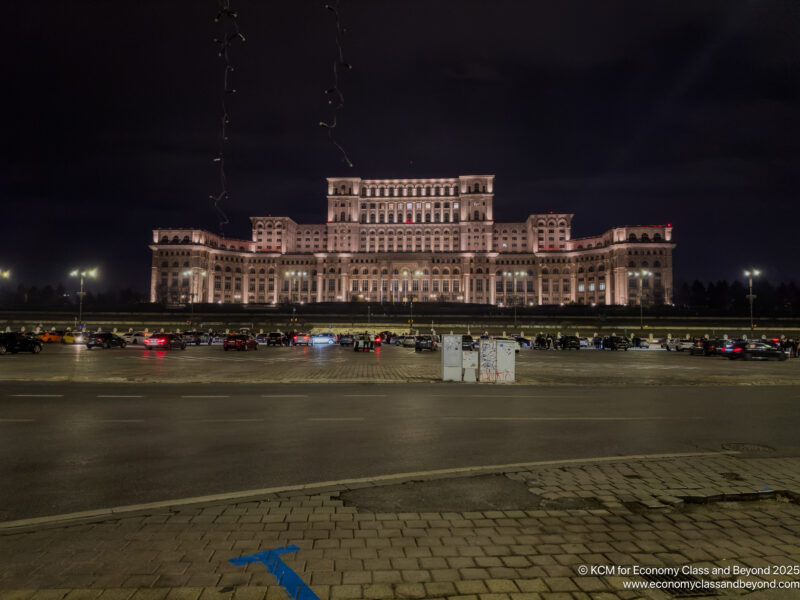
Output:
(288, 579)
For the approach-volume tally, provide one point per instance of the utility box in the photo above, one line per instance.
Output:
(469, 362)
(451, 357)
(497, 361)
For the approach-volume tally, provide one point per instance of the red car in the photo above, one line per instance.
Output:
(163, 341)
(240, 342)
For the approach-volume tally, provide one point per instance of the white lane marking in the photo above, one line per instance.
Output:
(529, 397)
(223, 420)
(118, 396)
(335, 419)
(241, 495)
(17, 420)
(362, 395)
(36, 395)
(201, 396)
(120, 421)
(573, 418)
(284, 395)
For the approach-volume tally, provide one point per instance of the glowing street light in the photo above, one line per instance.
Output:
(750, 274)
(83, 274)
(640, 275)
(5, 273)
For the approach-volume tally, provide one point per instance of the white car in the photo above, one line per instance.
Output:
(135, 338)
(407, 341)
(320, 339)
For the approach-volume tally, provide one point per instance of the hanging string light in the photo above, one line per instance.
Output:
(229, 35)
(336, 98)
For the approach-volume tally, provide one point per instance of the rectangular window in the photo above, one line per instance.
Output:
(581, 287)
(354, 286)
(415, 285)
(425, 285)
(436, 285)
(455, 285)
(479, 285)
(445, 286)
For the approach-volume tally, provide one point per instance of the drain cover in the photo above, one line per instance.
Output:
(680, 585)
(745, 447)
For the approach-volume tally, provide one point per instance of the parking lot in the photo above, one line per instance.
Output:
(335, 364)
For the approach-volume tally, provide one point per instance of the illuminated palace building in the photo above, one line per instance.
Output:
(422, 240)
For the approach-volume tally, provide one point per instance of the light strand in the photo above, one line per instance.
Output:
(335, 92)
(230, 33)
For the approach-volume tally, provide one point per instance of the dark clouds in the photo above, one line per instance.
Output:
(622, 112)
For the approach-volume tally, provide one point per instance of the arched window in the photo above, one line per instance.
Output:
(645, 237)
(477, 215)
(657, 264)
(656, 237)
(476, 188)
(632, 237)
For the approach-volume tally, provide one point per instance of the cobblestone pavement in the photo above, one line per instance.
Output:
(603, 513)
(389, 364)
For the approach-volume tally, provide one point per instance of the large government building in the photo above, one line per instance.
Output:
(421, 240)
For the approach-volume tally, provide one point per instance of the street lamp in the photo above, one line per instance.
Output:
(190, 274)
(513, 275)
(82, 273)
(750, 274)
(640, 275)
(5, 273)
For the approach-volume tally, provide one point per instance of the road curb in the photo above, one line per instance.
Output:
(104, 514)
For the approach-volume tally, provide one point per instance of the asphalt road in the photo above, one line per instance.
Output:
(69, 447)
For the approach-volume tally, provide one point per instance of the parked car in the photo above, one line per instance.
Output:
(274, 338)
(74, 337)
(522, 341)
(569, 342)
(756, 350)
(678, 345)
(165, 341)
(134, 338)
(16, 342)
(386, 336)
(346, 339)
(193, 337)
(105, 340)
(425, 342)
(239, 341)
(405, 340)
(616, 342)
(467, 343)
(706, 347)
(584, 342)
(301, 339)
(321, 339)
(363, 342)
(51, 337)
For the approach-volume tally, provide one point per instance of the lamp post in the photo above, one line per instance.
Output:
(295, 275)
(750, 274)
(640, 275)
(83, 274)
(192, 292)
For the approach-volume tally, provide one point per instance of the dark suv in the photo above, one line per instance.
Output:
(15, 342)
(569, 342)
(105, 340)
(616, 342)
(274, 338)
(425, 342)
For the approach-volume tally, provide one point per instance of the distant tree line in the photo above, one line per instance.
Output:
(725, 298)
(54, 297)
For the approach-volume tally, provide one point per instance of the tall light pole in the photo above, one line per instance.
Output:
(83, 274)
(190, 274)
(640, 275)
(750, 274)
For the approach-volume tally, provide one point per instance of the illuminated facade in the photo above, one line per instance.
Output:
(426, 240)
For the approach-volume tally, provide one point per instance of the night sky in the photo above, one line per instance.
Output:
(621, 112)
